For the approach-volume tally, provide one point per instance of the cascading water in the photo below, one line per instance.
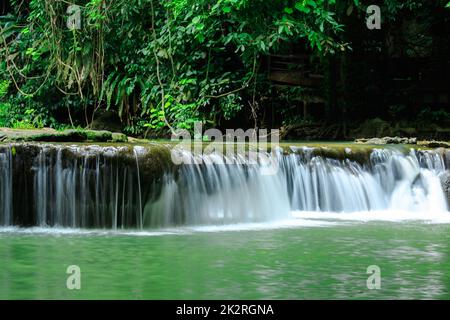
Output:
(390, 180)
(208, 192)
(75, 186)
(134, 187)
(5, 187)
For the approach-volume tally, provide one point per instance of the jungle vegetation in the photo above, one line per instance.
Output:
(162, 65)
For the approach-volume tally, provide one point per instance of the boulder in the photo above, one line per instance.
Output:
(107, 120)
(445, 181)
(434, 144)
(387, 140)
(98, 135)
(51, 135)
(119, 137)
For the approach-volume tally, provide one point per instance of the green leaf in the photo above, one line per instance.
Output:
(201, 38)
(226, 9)
(288, 10)
(263, 46)
(200, 26)
(301, 7)
(311, 3)
(350, 10)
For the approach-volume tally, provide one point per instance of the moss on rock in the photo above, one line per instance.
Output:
(69, 135)
(98, 135)
(434, 144)
(155, 161)
(119, 137)
(360, 155)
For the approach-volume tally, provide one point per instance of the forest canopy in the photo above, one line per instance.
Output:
(162, 65)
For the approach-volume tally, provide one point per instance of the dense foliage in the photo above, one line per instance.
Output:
(162, 65)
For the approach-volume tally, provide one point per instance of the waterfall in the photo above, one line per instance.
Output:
(207, 192)
(87, 186)
(6, 186)
(389, 181)
(139, 212)
(80, 187)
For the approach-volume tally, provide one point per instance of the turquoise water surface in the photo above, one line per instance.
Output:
(308, 259)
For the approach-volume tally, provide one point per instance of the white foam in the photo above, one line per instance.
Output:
(288, 223)
(383, 215)
(82, 232)
(281, 224)
(298, 219)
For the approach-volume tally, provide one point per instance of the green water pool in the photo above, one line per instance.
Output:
(326, 261)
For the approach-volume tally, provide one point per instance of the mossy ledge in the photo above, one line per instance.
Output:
(51, 135)
(360, 154)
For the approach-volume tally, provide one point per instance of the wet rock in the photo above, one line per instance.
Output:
(358, 154)
(155, 161)
(395, 140)
(119, 137)
(8, 134)
(446, 155)
(98, 135)
(445, 181)
(44, 136)
(370, 141)
(434, 144)
(412, 141)
(69, 136)
(387, 140)
(51, 135)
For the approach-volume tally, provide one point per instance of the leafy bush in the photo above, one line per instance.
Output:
(4, 106)
(436, 115)
(160, 64)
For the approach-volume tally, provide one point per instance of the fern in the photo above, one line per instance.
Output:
(118, 89)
